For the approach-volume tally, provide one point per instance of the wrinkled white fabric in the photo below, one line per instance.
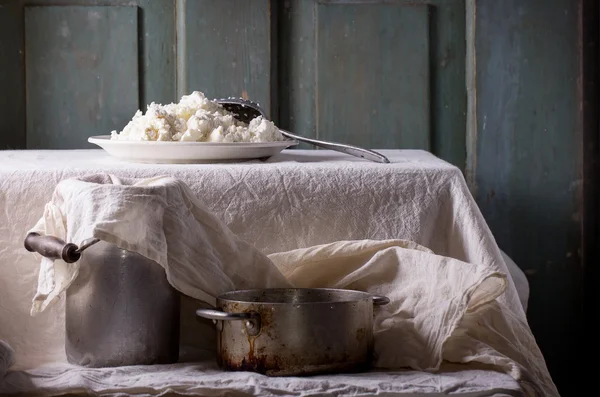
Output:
(158, 218)
(440, 309)
(162, 220)
(295, 200)
(520, 279)
(205, 379)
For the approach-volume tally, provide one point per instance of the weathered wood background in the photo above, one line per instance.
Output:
(499, 88)
(534, 165)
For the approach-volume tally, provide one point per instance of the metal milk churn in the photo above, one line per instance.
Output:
(120, 309)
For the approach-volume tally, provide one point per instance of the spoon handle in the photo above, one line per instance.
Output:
(340, 147)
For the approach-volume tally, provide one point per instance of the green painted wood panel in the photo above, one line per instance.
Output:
(447, 80)
(373, 74)
(157, 56)
(296, 68)
(156, 52)
(81, 73)
(528, 162)
(228, 49)
(298, 29)
(156, 44)
(12, 96)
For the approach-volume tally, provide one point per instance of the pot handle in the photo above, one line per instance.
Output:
(251, 323)
(219, 315)
(379, 300)
(52, 247)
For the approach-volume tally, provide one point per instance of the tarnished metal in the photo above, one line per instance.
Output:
(302, 331)
(120, 310)
(251, 319)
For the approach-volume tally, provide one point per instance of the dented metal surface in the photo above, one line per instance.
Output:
(301, 331)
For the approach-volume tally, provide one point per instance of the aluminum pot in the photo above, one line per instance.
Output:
(120, 310)
(294, 331)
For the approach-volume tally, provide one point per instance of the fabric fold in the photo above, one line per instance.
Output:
(159, 218)
(429, 294)
(441, 309)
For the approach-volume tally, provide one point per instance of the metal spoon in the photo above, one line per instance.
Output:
(245, 110)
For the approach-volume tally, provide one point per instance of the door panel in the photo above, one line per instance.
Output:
(228, 49)
(12, 93)
(528, 164)
(81, 73)
(407, 59)
(137, 49)
(373, 74)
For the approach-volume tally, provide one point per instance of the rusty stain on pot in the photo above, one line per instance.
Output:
(251, 351)
(256, 359)
(268, 354)
(277, 366)
(272, 364)
(221, 351)
(261, 364)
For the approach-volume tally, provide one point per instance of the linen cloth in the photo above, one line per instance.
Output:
(417, 197)
(159, 218)
(205, 379)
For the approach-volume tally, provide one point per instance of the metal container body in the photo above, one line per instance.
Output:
(300, 331)
(120, 310)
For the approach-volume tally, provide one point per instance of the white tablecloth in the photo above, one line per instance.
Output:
(296, 199)
(205, 379)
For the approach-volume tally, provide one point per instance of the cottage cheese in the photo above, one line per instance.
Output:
(197, 119)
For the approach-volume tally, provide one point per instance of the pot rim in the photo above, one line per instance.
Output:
(354, 296)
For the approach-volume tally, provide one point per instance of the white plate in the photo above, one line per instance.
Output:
(188, 152)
